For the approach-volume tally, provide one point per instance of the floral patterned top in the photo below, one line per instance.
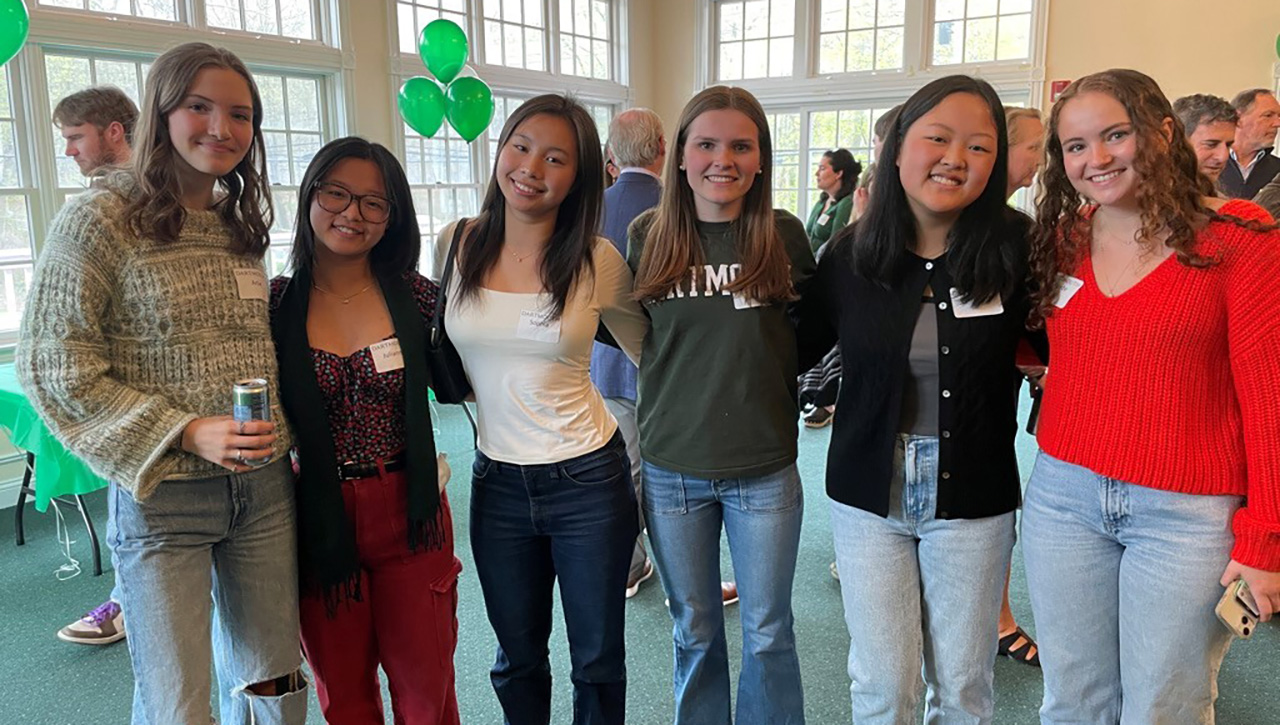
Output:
(365, 407)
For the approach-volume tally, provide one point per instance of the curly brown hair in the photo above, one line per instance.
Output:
(1170, 195)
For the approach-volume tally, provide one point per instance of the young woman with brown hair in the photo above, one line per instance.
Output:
(716, 268)
(1158, 481)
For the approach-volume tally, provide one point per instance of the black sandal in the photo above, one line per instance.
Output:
(1021, 653)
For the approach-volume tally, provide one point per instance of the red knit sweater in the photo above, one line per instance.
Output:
(1174, 385)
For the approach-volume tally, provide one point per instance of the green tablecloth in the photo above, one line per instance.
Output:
(57, 471)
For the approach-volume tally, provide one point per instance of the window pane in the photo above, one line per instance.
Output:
(305, 146)
(947, 42)
(862, 13)
(782, 17)
(980, 40)
(1015, 37)
(756, 16)
(781, 57)
(512, 46)
(833, 15)
(122, 75)
(14, 283)
(1014, 6)
(600, 26)
(889, 48)
(271, 88)
(831, 54)
(8, 153)
(6, 110)
(533, 13)
(892, 12)
(277, 143)
(862, 44)
(296, 18)
(511, 11)
(731, 21)
(15, 228)
(755, 56)
(119, 7)
(600, 59)
(533, 49)
(731, 61)
(948, 9)
(492, 42)
(304, 104)
(979, 8)
(223, 13)
(159, 9)
(66, 75)
(822, 129)
(78, 4)
(260, 16)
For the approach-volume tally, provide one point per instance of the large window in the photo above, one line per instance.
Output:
(756, 39)
(800, 138)
(981, 31)
(585, 29)
(515, 34)
(861, 35)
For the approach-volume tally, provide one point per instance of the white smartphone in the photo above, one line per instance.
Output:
(1238, 610)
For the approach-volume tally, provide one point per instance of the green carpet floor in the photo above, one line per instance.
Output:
(47, 682)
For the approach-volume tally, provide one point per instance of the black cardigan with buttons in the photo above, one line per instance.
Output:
(978, 383)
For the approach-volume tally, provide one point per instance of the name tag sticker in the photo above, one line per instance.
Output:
(963, 309)
(742, 302)
(387, 355)
(1070, 286)
(534, 325)
(251, 284)
(824, 218)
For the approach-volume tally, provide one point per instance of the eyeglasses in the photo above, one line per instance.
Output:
(335, 199)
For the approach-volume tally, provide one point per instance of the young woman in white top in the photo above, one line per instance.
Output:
(551, 485)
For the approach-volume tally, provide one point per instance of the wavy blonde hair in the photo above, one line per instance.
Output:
(153, 208)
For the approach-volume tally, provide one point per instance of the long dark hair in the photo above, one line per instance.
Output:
(397, 252)
(842, 162)
(671, 245)
(154, 209)
(568, 252)
(983, 245)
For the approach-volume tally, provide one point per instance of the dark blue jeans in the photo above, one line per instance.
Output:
(576, 520)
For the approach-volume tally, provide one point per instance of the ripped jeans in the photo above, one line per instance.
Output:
(232, 535)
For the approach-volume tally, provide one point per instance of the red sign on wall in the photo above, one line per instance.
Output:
(1056, 88)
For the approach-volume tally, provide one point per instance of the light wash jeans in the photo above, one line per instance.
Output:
(1123, 581)
(921, 598)
(762, 518)
(231, 535)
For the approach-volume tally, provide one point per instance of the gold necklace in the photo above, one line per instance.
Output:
(345, 300)
(519, 258)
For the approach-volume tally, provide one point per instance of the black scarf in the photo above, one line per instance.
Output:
(327, 558)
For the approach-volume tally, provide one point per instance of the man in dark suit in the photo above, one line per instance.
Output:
(1252, 165)
(638, 148)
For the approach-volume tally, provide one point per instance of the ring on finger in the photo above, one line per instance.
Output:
(240, 457)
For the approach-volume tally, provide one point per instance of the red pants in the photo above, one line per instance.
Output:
(406, 619)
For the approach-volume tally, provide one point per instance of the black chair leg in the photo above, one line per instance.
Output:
(93, 535)
(23, 491)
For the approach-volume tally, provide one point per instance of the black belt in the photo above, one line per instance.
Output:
(351, 470)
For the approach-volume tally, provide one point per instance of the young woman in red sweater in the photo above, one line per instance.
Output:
(1158, 480)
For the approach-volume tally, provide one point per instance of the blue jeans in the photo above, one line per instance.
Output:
(575, 521)
(921, 597)
(762, 518)
(232, 535)
(1123, 581)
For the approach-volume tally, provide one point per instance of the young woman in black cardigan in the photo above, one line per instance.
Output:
(926, 296)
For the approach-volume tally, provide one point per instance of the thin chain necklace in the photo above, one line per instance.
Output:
(1136, 265)
(345, 300)
(521, 257)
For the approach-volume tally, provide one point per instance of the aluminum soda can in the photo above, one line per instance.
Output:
(250, 400)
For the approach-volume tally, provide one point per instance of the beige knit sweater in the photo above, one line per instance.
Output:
(125, 341)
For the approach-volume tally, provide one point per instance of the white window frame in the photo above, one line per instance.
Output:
(863, 87)
(64, 31)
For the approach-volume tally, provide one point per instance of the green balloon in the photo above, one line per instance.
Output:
(422, 105)
(470, 107)
(1278, 46)
(14, 24)
(443, 47)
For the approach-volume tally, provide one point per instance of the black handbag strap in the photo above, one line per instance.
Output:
(437, 322)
